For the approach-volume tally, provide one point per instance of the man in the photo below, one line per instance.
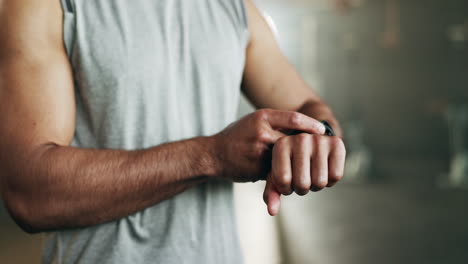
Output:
(115, 137)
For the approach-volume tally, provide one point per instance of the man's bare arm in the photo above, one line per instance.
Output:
(48, 185)
(45, 183)
(270, 81)
(300, 162)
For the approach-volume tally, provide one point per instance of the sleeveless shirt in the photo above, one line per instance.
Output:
(148, 72)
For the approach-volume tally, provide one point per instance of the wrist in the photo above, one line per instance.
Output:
(320, 111)
(209, 157)
(317, 110)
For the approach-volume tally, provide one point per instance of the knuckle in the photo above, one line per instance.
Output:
(319, 185)
(322, 184)
(335, 177)
(261, 114)
(283, 183)
(295, 119)
(283, 180)
(302, 192)
(262, 135)
(301, 188)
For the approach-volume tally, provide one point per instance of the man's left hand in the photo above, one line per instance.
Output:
(301, 163)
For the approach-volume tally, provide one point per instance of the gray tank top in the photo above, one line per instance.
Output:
(148, 72)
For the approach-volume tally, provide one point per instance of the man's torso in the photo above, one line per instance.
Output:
(148, 72)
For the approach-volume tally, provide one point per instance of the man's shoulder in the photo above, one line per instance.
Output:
(29, 23)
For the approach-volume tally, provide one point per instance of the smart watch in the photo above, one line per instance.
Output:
(328, 129)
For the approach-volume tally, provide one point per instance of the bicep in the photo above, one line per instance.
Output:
(36, 84)
(270, 81)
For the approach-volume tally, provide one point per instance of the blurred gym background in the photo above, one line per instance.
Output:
(396, 74)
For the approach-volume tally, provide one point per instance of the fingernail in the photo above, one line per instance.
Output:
(322, 130)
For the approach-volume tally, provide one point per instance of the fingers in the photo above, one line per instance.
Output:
(336, 161)
(281, 173)
(291, 120)
(307, 162)
(319, 170)
(301, 164)
(271, 196)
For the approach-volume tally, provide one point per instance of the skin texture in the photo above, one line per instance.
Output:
(48, 185)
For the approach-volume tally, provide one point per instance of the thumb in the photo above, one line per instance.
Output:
(272, 197)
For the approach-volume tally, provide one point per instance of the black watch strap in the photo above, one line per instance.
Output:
(328, 129)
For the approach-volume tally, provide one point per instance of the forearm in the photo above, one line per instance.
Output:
(319, 110)
(67, 187)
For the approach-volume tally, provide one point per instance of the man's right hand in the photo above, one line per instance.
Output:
(243, 149)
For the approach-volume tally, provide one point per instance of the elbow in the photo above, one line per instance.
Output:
(24, 201)
(27, 205)
(25, 213)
